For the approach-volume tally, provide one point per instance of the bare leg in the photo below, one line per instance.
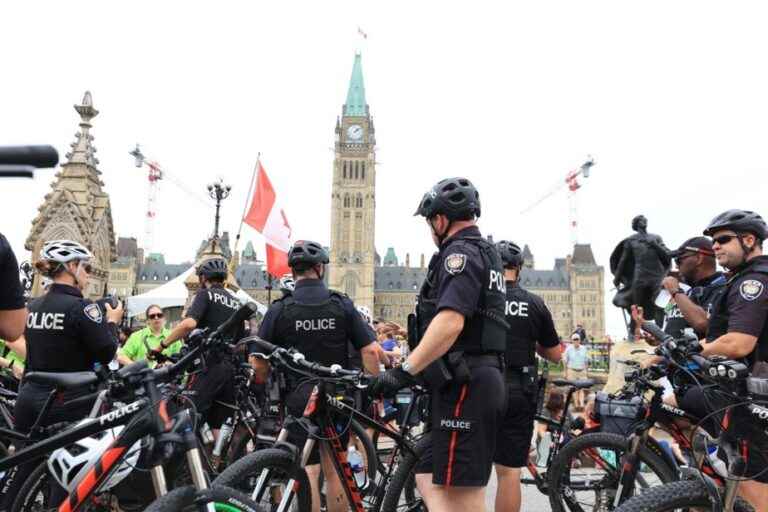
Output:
(313, 473)
(756, 494)
(450, 499)
(335, 498)
(508, 494)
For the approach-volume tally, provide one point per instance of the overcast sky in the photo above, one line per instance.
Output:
(671, 98)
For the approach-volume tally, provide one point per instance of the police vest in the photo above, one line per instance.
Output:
(521, 341)
(485, 330)
(319, 331)
(718, 322)
(222, 304)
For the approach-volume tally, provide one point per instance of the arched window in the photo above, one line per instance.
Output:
(362, 171)
(399, 285)
(359, 201)
(344, 167)
(357, 169)
(346, 201)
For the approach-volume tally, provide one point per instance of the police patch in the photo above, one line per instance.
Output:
(455, 263)
(750, 289)
(455, 425)
(93, 312)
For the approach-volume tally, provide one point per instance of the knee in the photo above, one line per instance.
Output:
(507, 473)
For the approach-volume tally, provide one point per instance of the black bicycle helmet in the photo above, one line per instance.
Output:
(511, 255)
(456, 198)
(741, 221)
(305, 254)
(214, 268)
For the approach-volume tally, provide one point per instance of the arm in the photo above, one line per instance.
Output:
(551, 354)
(98, 334)
(692, 312)
(181, 330)
(732, 345)
(261, 366)
(12, 322)
(440, 336)
(372, 354)
(19, 346)
(13, 314)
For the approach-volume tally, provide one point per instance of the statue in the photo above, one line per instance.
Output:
(639, 263)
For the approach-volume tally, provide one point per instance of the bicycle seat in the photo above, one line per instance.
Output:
(62, 380)
(578, 384)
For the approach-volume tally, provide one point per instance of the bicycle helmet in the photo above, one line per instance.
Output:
(511, 255)
(304, 254)
(69, 465)
(214, 268)
(64, 251)
(287, 284)
(456, 198)
(741, 221)
(366, 314)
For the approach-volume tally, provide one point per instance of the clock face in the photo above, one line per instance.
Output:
(355, 132)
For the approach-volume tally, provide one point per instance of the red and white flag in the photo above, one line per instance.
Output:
(268, 218)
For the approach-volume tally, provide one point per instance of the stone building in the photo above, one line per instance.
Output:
(77, 208)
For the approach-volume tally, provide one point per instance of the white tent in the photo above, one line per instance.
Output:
(173, 294)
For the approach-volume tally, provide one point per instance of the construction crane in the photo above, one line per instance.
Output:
(155, 174)
(571, 181)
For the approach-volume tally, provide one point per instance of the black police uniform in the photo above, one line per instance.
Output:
(465, 276)
(319, 323)
(211, 307)
(11, 294)
(529, 322)
(703, 293)
(741, 306)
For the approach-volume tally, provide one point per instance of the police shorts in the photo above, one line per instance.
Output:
(703, 402)
(296, 402)
(214, 384)
(465, 419)
(513, 439)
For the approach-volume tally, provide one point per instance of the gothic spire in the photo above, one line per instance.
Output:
(355, 104)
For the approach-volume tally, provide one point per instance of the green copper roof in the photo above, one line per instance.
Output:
(390, 259)
(249, 250)
(355, 105)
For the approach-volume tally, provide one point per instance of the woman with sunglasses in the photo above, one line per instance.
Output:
(65, 332)
(145, 340)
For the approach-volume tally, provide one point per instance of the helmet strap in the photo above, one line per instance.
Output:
(440, 237)
(78, 283)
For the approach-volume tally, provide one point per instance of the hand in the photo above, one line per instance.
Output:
(671, 284)
(17, 371)
(155, 352)
(390, 382)
(114, 315)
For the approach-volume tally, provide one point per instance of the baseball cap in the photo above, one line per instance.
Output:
(697, 244)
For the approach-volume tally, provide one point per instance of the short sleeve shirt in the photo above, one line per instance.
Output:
(460, 275)
(11, 294)
(136, 345)
(8, 353)
(748, 304)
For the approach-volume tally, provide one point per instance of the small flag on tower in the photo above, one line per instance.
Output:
(360, 31)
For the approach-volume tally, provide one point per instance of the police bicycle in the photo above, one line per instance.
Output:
(276, 477)
(146, 416)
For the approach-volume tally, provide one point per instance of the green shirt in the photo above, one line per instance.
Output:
(136, 345)
(10, 355)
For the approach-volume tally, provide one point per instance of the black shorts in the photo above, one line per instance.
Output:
(214, 384)
(464, 420)
(741, 426)
(513, 439)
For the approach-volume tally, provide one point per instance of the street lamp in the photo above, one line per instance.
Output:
(218, 192)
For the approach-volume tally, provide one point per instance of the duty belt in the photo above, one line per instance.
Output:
(480, 360)
(517, 373)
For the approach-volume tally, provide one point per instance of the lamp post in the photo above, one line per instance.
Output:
(218, 191)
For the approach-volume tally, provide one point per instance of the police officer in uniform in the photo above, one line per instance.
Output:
(319, 323)
(12, 311)
(531, 331)
(738, 329)
(461, 334)
(211, 307)
(65, 333)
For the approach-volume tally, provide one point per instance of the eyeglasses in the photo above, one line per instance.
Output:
(155, 316)
(723, 239)
(682, 257)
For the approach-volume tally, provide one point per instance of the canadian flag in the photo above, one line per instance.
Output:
(268, 218)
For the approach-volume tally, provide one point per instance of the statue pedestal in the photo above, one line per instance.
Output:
(622, 350)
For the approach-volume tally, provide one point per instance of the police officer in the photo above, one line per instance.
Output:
(65, 333)
(531, 330)
(319, 323)
(738, 328)
(211, 307)
(12, 310)
(461, 333)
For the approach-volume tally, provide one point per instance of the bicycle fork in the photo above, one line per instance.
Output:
(628, 471)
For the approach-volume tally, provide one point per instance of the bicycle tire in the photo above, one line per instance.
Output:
(561, 467)
(184, 499)
(403, 483)
(32, 486)
(676, 495)
(239, 475)
(371, 455)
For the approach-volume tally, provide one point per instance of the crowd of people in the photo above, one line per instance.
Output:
(478, 357)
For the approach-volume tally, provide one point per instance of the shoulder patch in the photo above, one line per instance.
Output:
(93, 312)
(455, 263)
(750, 289)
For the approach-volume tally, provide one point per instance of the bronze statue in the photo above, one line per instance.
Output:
(639, 263)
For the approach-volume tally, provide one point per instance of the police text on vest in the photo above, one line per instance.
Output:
(318, 324)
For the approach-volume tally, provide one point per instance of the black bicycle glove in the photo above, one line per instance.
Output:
(390, 382)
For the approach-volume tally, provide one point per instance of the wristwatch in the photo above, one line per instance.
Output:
(406, 366)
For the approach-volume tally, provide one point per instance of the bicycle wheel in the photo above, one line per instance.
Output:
(402, 494)
(675, 496)
(586, 472)
(368, 452)
(188, 499)
(280, 468)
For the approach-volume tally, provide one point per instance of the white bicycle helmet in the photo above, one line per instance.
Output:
(287, 283)
(70, 464)
(366, 314)
(63, 251)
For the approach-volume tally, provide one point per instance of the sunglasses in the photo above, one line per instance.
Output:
(155, 316)
(723, 239)
(680, 259)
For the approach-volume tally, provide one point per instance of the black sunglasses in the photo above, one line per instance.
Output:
(682, 257)
(155, 316)
(723, 239)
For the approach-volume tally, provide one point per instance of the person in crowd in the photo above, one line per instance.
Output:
(146, 341)
(576, 359)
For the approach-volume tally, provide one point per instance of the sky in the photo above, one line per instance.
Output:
(670, 98)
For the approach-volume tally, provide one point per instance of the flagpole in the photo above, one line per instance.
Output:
(245, 210)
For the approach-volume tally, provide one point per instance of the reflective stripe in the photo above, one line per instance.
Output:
(454, 434)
